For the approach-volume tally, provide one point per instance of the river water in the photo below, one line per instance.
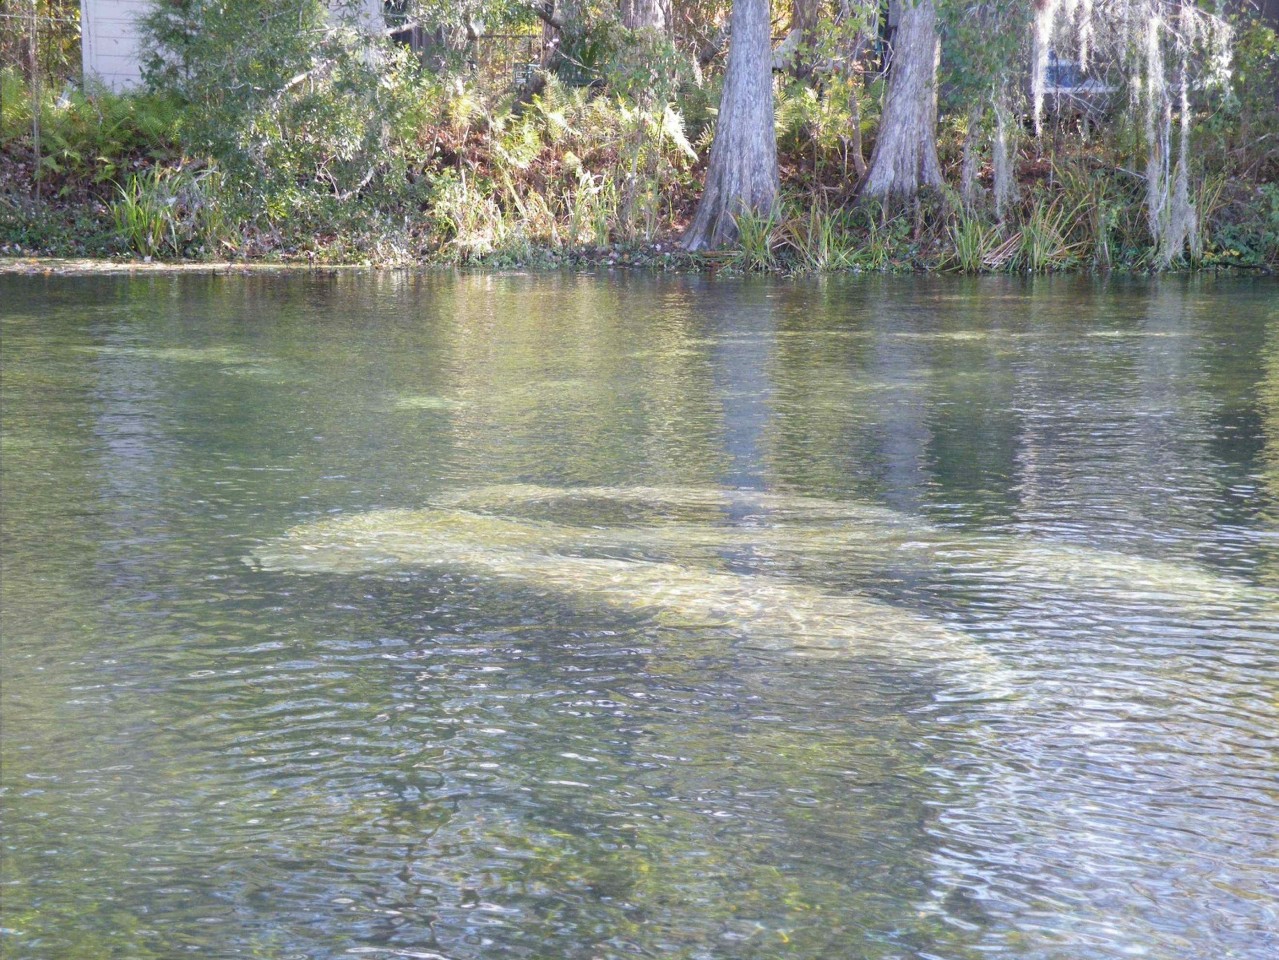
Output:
(598, 616)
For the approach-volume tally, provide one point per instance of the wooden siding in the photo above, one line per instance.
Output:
(111, 47)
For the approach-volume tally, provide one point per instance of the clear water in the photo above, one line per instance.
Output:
(212, 757)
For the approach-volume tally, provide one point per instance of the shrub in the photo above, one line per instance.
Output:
(284, 97)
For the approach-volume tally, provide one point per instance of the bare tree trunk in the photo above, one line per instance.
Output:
(562, 20)
(795, 53)
(905, 156)
(972, 155)
(855, 131)
(742, 173)
(36, 94)
(645, 15)
(853, 57)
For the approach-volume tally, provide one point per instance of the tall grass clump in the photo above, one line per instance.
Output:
(470, 224)
(1045, 243)
(758, 241)
(588, 206)
(171, 212)
(971, 242)
(817, 240)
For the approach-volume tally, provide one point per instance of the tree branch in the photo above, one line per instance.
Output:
(544, 10)
(714, 45)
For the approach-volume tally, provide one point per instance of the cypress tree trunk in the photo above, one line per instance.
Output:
(742, 173)
(972, 158)
(905, 156)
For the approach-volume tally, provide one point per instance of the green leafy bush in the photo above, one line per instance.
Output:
(288, 99)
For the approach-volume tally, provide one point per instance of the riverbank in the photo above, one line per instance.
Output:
(656, 256)
(711, 264)
(573, 179)
(85, 266)
(80, 227)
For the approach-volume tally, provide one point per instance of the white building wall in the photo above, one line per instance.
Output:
(110, 45)
(369, 13)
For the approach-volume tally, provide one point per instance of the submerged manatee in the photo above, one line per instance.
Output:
(774, 614)
(430, 402)
(870, 535)
(234, 360)
(214, 354)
